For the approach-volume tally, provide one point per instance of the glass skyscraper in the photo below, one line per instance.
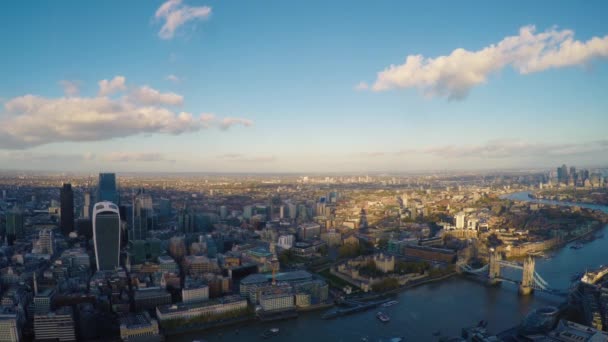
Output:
(143, 216)
(106, 235)
(67, 209)
(106, 190)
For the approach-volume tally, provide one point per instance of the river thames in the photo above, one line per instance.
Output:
(445, 306)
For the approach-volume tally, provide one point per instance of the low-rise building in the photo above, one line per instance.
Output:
(228, 304)
(138, 326)
(55, 326)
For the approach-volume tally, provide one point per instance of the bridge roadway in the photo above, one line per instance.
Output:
(531, 280)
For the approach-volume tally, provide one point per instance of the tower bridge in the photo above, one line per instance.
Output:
(530, 281)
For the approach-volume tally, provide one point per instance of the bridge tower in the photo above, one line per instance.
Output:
(527, 279)
(494, 267)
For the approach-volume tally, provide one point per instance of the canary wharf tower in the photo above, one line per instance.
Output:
(106, 235)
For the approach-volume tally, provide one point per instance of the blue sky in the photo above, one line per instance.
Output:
(280, 79)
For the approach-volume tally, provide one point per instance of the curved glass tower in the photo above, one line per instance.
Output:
(106, 235)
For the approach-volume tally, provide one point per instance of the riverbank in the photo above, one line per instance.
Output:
(405, 287)
(186, 329)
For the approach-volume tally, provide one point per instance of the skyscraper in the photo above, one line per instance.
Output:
(143, 213)
(14, 225)
(86, 209)
(106, 235)
(67, 209)
(106, 190)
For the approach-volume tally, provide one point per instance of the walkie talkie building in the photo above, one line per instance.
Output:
(106, 235)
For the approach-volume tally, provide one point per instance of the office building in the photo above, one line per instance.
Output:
(150, 297)
(309, 231)
(45, 243)
(55, 326)
(86, 208)
(459, 220)
(9, 325)
(107, 190)
(106, 235)
(177, 247)
(14, 225)
(195, 291)
(139, 326)
(215, 308)
(143, 215)
(67, 209)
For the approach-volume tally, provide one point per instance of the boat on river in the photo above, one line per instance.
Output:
(384, 318)
(391, 303)
(577, 245)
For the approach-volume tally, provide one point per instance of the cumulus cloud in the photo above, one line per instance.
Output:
(70, 87)
(173, 78)
(454, 75)
(149, 96)
(32, 120)
(109, 87)
(238, 157)
(176, 14)
(226, 123)
(135, 157)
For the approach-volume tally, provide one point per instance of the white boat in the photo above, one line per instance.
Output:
(391, 303)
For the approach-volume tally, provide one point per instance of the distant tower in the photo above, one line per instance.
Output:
(527, 279)
(143, 215)
(106, 189)
(67, 209)
(86, 209)
(274, 263)
(106, 235)
(363, 219)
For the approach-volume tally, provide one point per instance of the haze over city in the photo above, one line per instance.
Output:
(215, 86)
(386, 171)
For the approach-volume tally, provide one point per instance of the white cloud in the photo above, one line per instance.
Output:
(136, 157)
(32, 120)
(112, 86)
(362, 86)
(176, 14)
(173, 78)
(148, 96)
(456, 74)
(226, 123)
(70, 87)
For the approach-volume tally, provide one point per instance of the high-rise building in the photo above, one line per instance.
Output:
(106, 235)
(67, 209)
(143, 215)
(55, 326)
(185, 221)
(45, 243)
(86, 208)
(14, 225)
(106, 190)
(177, 247)
(562, 174)
(223, 212)
(459, 220)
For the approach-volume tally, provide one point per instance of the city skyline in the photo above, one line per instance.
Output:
(207, 86)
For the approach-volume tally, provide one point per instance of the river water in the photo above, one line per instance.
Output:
(446, 306)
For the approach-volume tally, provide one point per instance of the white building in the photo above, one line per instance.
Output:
(286, 241)
(459, 218)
